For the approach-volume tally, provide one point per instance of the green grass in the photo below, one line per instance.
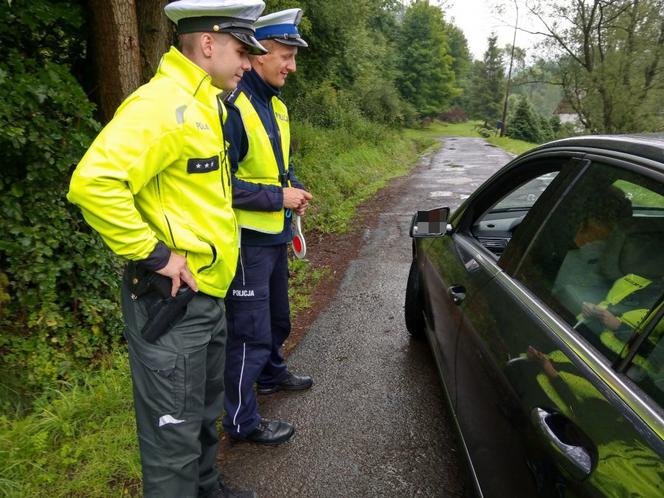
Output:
(511, 145)
(80, 444)
(303, 280)
(439, 129)
(640, 196)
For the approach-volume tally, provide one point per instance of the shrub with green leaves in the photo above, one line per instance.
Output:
(526, 124)
(58, 283)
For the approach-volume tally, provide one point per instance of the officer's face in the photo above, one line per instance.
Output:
(229, 59)
(275, 67)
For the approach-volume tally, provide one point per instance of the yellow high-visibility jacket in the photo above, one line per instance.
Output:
(159, 172)
(260, 164)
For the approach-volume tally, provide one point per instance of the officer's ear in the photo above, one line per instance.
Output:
(257, 59)
(206, 42)
(260, 59)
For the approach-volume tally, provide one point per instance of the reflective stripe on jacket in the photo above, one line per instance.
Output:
(260, 164)
(158, 172)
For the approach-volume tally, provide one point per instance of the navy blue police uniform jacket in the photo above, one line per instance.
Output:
(252, 196)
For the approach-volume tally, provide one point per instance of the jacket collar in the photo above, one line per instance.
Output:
(257, 87)
(187, 74)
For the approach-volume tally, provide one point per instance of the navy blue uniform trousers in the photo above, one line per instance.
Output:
(258, 324)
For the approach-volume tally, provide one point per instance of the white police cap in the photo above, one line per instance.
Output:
(282, 27)
(236, 17)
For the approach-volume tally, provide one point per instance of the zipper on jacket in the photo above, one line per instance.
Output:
(225, 167)
(223, 170)
(163, 211)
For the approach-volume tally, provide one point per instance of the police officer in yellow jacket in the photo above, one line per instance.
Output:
(156, 185)
(265, 194)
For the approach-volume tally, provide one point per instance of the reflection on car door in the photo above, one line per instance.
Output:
(528, 403)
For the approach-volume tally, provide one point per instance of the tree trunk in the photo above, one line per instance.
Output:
(155, 34)
(116, 51)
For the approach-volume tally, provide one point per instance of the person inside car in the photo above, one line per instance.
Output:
(614, 319)
(580, 277)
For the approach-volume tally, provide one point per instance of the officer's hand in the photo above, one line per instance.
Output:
(295, 197)
(609, 319)
(302, 209)
(177, 270)
(588, 310)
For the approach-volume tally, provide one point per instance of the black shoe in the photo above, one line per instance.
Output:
(290, 383)
(227, 492)
(271, 432)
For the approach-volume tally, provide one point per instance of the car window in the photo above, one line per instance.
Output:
(647, 366)
(525, 196)
(495, 227)
(598, 259)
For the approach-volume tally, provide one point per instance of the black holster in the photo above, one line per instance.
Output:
(164, 310)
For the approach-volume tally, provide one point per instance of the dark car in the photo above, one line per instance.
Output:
(542, 300)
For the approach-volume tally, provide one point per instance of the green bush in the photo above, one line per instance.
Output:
(525, 123)
(380, 101)
(58, 284)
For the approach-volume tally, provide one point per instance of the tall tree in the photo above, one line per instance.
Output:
(488, 85)
(128, 38)
(462, 61)
(611, 59)
(155, 34)
(116, 51)
(426, 77)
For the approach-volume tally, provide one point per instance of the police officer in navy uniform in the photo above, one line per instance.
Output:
(266, 193)
(156, 185)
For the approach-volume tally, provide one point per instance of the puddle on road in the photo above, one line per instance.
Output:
(441, 193)
(453, 165)
(455, 180)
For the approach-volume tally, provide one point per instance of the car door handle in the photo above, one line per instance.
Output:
(575, 459)
(457, 293)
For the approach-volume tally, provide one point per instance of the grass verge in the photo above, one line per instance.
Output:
(511, 145)
(81, 444)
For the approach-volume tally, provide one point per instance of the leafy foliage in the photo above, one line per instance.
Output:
(426, 76)
(57, 281)
(488, 85)
(525, 123)
(610, 57)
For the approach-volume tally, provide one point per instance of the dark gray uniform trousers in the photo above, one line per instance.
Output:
(178, 394)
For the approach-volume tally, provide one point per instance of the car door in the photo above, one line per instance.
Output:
(541, 407)
(483, 229)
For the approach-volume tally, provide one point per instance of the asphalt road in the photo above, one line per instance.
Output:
(375, 424)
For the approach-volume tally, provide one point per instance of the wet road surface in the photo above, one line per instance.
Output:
(375, 424)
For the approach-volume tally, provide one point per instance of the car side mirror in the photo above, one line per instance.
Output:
(431, 223)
